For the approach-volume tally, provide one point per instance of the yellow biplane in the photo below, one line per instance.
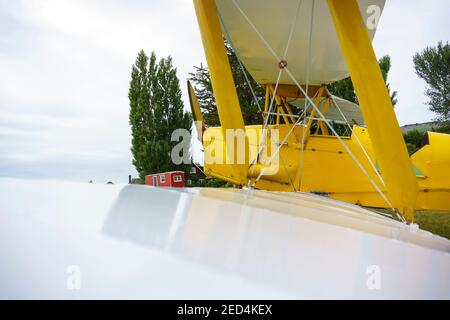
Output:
(293, 49)
(65, 240)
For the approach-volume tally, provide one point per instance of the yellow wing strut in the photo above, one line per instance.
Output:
(376, 106)
(222, 80)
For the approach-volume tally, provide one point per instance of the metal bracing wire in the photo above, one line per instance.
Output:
(286, 50)
(246, 78)
(241, 66)
(352, 155)
(254, 95)
(277, 150)
(282, 114)
(270, 49)
(287, 173)
(357, 139)
(268, 45)
(266, 122)
(340, 140)
(291, 32)
(308, 70)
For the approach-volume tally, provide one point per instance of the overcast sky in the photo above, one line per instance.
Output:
(65, 68)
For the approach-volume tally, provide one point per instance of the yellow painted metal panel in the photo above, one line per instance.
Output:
(433, 160)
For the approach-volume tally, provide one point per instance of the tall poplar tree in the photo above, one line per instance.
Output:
(156, 110)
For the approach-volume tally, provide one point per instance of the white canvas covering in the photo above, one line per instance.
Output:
(273, 19)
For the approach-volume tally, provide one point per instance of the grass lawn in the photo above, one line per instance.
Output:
(436, 222)
(433, 221)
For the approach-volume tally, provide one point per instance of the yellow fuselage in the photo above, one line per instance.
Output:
(327, 168)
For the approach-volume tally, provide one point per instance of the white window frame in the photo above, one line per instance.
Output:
(162, 178)
(177, 178)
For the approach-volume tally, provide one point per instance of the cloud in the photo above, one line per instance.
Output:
(64, 81)
(407, 27)
(65, 69)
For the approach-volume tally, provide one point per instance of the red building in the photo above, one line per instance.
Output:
(166, 179)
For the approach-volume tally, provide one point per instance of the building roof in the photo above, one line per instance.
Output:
(154, 174)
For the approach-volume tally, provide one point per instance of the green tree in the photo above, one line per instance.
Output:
(203, 89)
(433, 66)
(413, 139)
(140, 112)
(344, 88)
(156, 110)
